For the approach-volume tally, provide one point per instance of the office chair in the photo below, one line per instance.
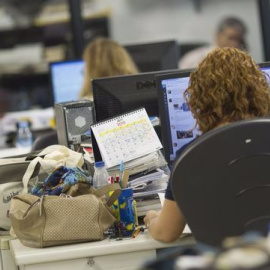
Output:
(221, 182)
(44, 140)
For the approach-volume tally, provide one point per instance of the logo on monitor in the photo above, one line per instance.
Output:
(146, 84)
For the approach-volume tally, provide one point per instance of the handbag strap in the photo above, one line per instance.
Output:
(49, 159)
(61, 152)
(106, 190)
(38, 162)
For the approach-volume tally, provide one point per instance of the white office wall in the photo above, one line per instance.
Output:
(152, 20)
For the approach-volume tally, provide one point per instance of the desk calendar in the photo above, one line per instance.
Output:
(126, 137)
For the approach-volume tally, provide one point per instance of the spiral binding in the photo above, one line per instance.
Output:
(118, 117)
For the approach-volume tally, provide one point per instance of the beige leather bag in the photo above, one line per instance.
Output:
(57, 220)
(17, 175)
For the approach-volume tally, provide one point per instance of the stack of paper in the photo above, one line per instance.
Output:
(149, 184)
(146, 178)
(143, 164)
(145, 204)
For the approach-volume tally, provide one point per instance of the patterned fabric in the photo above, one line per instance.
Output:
(61, 219)
(61, 179)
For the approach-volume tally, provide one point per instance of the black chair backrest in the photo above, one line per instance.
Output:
(44, 140)
(221, 182)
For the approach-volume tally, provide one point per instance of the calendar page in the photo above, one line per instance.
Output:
(126, 137)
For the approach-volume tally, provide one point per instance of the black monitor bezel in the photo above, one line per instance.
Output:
(170, 44)
(264, 65)
(97, 82)
(165, 125)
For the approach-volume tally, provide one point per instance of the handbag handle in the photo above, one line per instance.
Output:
(50, 158)
(48, 150)
(108, 188)
(38, 161)
(60, 152)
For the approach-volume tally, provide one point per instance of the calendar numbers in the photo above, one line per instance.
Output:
(125, 138)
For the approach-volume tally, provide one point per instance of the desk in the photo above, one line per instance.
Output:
(106, 254)
(9, 152)
(6, 259)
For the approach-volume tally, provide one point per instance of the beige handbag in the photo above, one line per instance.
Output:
(57, 220)
(17, 175)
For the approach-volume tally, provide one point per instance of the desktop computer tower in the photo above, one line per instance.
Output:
(73, 121)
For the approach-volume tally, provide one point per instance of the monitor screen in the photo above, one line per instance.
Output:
(67, 80)
(265, 67)
(155, 56)
(177, 123)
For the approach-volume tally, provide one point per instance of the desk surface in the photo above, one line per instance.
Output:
(26, 255)
(9, 152)
(4, 241)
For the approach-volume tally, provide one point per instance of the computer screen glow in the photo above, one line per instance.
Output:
(67, 80)
(266, 70)
(182, 125)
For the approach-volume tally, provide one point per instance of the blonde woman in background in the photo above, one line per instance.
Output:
(104, 58)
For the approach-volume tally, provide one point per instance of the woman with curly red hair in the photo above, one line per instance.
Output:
(226, 87)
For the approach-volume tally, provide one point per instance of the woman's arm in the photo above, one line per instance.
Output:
(167, 225)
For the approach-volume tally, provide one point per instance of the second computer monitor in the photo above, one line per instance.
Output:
(66, 80)
(156, 56)
(265, 67)
(177, 123)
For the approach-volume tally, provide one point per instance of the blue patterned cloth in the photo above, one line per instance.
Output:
(61, 179)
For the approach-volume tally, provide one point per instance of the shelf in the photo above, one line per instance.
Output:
(24, 69)
(49, 17)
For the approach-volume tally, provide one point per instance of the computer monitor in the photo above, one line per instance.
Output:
(116, 95)
(155, 56)
(177, 123)
(265, 67)
(66, 80)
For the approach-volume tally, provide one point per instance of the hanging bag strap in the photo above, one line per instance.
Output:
(49, 159)
(36, 164)
(106, 190)
(60, 152)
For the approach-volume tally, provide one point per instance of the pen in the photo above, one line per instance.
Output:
(121, 170)
(136, 232)
(124, 180)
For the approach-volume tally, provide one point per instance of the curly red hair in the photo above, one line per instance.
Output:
(227, 86)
